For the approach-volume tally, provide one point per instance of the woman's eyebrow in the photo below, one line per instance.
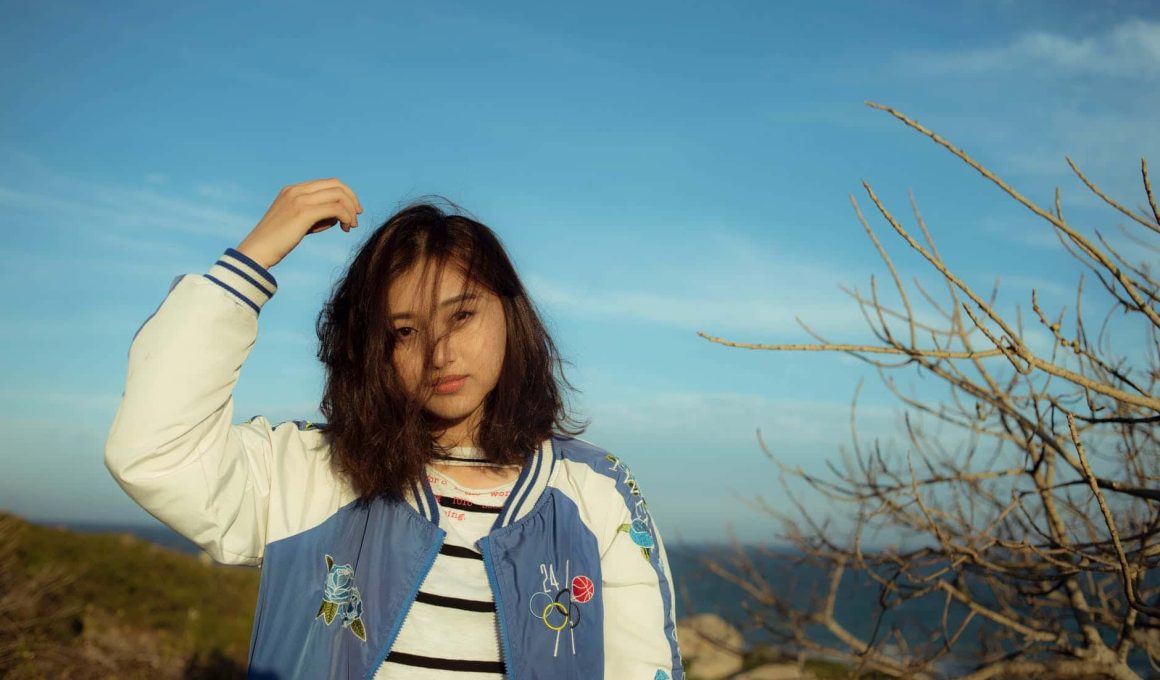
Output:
(448, 301)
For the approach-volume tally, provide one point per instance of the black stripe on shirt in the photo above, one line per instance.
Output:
(446, 664)
(460, 504)
(459, 551)
(455, 602)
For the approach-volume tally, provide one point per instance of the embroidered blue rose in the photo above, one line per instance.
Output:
(339, 581)
(661, 675)
(342, 599)
(638, 530)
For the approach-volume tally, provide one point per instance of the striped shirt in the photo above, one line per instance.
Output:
(450, 630)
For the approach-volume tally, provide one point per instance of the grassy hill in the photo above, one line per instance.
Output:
(82, 605)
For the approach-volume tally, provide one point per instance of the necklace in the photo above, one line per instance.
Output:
(466, 455)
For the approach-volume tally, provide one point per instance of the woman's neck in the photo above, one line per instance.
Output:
(448, 441)
(462, 432)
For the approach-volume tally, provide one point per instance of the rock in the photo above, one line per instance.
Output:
(775, 671)
(763, 654)
(711, 647)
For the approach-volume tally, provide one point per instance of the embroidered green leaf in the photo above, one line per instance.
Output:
(625, 527)
(356, 627)
(645, 552)
(328, 611)
(329, 562)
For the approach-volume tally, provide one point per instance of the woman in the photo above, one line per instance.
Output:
(444, 522)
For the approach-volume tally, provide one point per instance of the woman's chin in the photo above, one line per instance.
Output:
(446, 414)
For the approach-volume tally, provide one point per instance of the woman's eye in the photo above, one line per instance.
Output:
(463, 315)
(404, 332)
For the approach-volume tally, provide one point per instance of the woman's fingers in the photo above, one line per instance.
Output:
(333, 183)
(330, 196)
(300, 209)
(326, 211)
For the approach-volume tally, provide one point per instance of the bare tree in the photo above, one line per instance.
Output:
(1033, 524)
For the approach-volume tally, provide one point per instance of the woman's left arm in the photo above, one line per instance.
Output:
(640, 636)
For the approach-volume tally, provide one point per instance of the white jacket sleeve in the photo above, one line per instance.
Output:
(640, 636)
(172, 447)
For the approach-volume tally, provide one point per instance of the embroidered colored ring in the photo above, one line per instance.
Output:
(533, 607)
(563, 610)
(569, 608)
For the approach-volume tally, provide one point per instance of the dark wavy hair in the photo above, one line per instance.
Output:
(379, 436)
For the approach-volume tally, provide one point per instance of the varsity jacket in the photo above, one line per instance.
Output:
(577, 567)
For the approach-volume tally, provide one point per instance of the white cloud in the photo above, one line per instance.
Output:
(721, 282)
(223, 191)
(107, 322)
(724, 419)
(142, 246)
(122, 208)
(751, 314)
(1130, 49)
(1017, 287)
(72, 402)
(1107, 147)
(1046, 95)
(1025, 231)
(755, 314)
(144, 228)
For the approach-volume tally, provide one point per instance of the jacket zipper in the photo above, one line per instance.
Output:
(432, 553)
(489, 567)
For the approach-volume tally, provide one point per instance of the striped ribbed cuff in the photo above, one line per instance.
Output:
(247, 280)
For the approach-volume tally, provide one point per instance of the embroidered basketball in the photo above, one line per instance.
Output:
(582, 589)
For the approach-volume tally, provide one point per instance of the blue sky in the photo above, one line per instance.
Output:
(653, 168)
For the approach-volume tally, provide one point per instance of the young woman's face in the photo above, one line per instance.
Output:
(472, 335)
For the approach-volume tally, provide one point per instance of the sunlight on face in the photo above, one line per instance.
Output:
(471, 335)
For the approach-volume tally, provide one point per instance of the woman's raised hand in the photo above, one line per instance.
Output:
(300, 209)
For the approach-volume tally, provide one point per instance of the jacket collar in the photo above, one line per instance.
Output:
(528, 488)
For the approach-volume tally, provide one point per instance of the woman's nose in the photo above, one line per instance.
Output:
(442, 354)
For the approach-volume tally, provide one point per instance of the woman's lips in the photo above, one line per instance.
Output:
(450, 385)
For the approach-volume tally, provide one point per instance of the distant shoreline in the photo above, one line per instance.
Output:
(158, 534)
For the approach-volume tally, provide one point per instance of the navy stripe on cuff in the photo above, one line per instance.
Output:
(259, 269)
(241, 273)
(241, 297)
